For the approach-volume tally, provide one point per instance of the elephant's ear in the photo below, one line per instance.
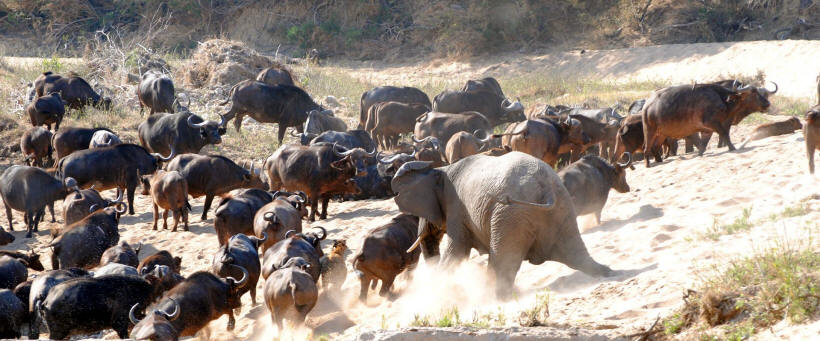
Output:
(420, 194)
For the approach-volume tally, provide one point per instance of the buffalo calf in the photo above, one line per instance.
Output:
(170, 192)
(36, 146)
(46, 110)
(122, 253)
(765, 130)
(160, 258)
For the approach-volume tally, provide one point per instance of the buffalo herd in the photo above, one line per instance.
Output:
(470, 169)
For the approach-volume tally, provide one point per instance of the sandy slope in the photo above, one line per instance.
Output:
(654, 235)
(793, 64)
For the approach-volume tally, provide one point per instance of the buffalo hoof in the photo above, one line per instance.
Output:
(28, 234)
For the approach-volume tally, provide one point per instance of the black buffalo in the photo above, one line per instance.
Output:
(73, 139)
(390, 94)
(156, 91)
(183, 132)
(117, 166)
(75, 91)
(287, 105)
(496, 109)
(30, 190)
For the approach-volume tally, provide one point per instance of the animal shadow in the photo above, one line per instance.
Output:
(579, 280)
(645, 212)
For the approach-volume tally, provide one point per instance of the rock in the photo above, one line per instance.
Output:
(332, 101)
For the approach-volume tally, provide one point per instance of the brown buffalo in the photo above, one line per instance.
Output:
(680, 111)
(169, 189)
(75, 91)
(443, 125)
(765, 130)
(290, 292)
(46, 110)
(390, 94)
(464, 144)
(589, 180)
(383, 254)
(35, 144)
(544, 139)
(386, 121)
(275, 75)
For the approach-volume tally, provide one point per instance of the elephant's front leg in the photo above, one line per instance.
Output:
(456, 245)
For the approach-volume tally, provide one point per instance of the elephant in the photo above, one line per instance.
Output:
(513, 207)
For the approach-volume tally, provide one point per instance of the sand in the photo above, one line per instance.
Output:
(655, 236)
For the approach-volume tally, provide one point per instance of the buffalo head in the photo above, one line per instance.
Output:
(355, 159)
(748, 99)
(156, 326)
(210, 131)
(620, 184)
(513, 112)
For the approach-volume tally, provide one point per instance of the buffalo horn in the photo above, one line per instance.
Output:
(222, 121)
(324, 232)
(168, 158)
(124, 207)
(269, 216)
(175, 314)
(344, 153)
(746, 88)
(302, 195)
(768, 92)
(195, 125)
(93, 208)
(294, 134)
(241, 283)
(288, 234)
(263, 239)
(628, 160)
(373, 153)
(131, 315)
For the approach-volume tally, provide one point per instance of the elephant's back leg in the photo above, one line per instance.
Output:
(511, 236)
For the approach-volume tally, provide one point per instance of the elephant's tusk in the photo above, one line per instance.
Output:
(415, 245)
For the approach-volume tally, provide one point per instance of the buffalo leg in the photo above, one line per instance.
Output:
(364, 281)
(231, 320)
(253, 295)
(649, 144)
(164, 220)
(325, 201)
(156, 216)
(51, 209)
(598, 217)
(184, 212)
(121, 327)
(237, 123)
(130, 191)
(176, 220)
(280, 135)
(810, 150)
(387, 284)
(8, 214)
(28, 217)
(209, 198)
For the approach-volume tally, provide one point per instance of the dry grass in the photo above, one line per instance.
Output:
(750, 294)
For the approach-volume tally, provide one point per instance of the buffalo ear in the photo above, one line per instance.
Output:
(734, 98)
(178, 263)
(221, 131)
(339, 165)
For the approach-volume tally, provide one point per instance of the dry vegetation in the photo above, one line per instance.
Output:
(398, 29)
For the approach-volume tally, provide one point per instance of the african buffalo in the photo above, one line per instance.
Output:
(160, 258)
(496, 109)
(14, 268)
(276, 218)
(212, 175)
(319, 170)
(486, 84)
(347, 139)
(680, 111)
(235, 212)
(35, 144)
(156, 91)
(241, 252)
(75, 91)
(117, 167)
(30, 190)
(275, 75)
(588, 181)
(444, 125)
(196, 301)
(319, 122)
(122, 253)
(82, 244)
(290, 292)
(5, 237)
(383, 254)
(13, 315)
(183, 132)
(88, 305)
(73, 139)
(103, 138)
(390, 94)
(40, 287)
(544, 139)
(294, 245)
(46, 110)
(78, 206)
(464, 144)
(170, 192)
(287, 105)
(386, 121)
